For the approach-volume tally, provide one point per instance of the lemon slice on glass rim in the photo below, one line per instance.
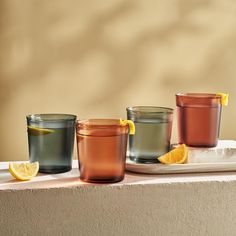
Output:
(131, 125)
(224, 98)
(24, 171)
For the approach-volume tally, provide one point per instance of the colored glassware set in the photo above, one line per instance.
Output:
(102, 143)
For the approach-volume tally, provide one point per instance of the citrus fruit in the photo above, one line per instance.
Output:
(131, 125)
(24, 171)
(178, 155)
(34, 131)
(224, 98)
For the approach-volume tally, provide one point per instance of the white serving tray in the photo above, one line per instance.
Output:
(220, 158)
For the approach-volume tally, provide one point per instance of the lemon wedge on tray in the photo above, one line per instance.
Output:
(24, 171)
(131, 125)
(178, 155)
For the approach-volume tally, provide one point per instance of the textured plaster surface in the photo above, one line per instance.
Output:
(190, 204)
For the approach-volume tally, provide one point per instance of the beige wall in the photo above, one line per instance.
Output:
(94, 58)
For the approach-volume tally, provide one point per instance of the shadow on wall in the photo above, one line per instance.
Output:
(95, 58)
(41, 53)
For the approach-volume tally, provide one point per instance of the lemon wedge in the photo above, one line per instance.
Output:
(34, 131)
(178, 155)
(24, 171)
(224, 98)
(131, 125)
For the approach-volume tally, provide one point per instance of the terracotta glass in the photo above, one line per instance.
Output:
(102, 147)
(198, 117)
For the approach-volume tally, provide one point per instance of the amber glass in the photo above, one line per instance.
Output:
(101, 147)
(198, 117)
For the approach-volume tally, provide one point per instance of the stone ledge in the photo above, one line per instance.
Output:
(174, 206)
(178, 204)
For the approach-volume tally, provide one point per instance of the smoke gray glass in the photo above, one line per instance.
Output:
(153, 127)
(51, 141)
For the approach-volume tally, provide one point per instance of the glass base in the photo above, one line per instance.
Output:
(204, 145)
(144, 160)
(54, 169)
(112, 179)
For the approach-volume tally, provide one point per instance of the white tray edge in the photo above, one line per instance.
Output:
(179, 168)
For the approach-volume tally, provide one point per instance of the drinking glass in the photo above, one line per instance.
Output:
(102, 145)
(153, 132)
(51, 141)
(198, 117)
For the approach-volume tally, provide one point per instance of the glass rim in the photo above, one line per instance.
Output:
(198, 95)
(61, 117)
(156, 110)
(101, 123)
